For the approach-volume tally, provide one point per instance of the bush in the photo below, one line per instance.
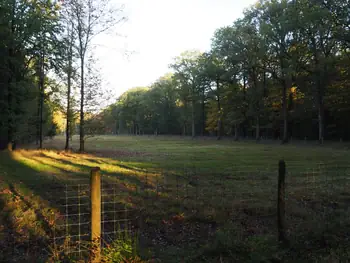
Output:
(122, 250)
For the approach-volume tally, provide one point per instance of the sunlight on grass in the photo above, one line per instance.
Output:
(30, 216)
(176, 153)
(27, 159)
(169, 183)
(61, 163)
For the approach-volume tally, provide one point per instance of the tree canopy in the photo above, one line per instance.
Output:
(281, 71)
(43, 43)
(278, 72)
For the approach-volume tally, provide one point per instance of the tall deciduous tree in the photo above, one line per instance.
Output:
(276, 21)
(28, 30)
(214, 70)
(91, 18)
(188, 74)
(317, 30)
(68, 68)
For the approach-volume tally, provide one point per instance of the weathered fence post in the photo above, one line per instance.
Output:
(95, 185)
(281, 201)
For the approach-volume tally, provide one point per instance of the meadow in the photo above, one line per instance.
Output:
(198, 200)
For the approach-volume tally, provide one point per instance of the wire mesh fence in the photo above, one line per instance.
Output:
(168, 208)
(117, 210)
(72, 225)
(317, 202)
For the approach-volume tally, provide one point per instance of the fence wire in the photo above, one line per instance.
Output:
(171, 208)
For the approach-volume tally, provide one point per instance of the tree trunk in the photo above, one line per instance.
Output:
(257, 109)
(68, 115)
(38, 115)
(219, 109)
(41, 118)
(10, 124)
(319, 92)
(320, 119)
(244, 106)
(193, 120)
(203, 112)
(236, 132)
(285, 113)
(68, 118)
(121, 126)
(257, 133)
(81, 139)
(41, 100)
(10, 110)
(69, 77)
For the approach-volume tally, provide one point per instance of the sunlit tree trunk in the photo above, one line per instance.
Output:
(41, 100)
(69, 78)
(81, 139)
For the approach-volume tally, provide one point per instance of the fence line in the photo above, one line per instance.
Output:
(250, 199)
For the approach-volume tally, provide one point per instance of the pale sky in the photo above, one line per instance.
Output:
(156, 32)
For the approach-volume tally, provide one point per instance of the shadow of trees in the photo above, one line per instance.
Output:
(149, 208)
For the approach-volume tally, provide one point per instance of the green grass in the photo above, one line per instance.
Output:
(176, 153)
(196, 200)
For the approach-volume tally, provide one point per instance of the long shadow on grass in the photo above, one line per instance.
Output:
(173, 233)
(96, 161)
(37, 211)
(69, 175)
(50, 189)
(120, 176)
(8, 233)
(20, 243)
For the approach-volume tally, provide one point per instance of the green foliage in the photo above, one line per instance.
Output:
(53, 130)
(123, 249)
(280, 71)
(28, 47)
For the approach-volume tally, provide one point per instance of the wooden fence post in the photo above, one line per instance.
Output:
(95, 185)
(281, 201)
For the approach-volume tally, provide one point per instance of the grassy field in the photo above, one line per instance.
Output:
(196, 200)
(208, 154)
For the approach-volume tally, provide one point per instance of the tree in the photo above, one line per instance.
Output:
(160, 101)
(214, 70)
(188, 76)
(279, 71)
(228, 47)
(277, 27)
(91, 18)
(131, 108)
(68, 68)
(46, 56)
(27, 30)
(316, 26)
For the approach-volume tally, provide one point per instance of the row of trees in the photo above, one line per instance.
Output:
(45, 56)
(280, 71)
